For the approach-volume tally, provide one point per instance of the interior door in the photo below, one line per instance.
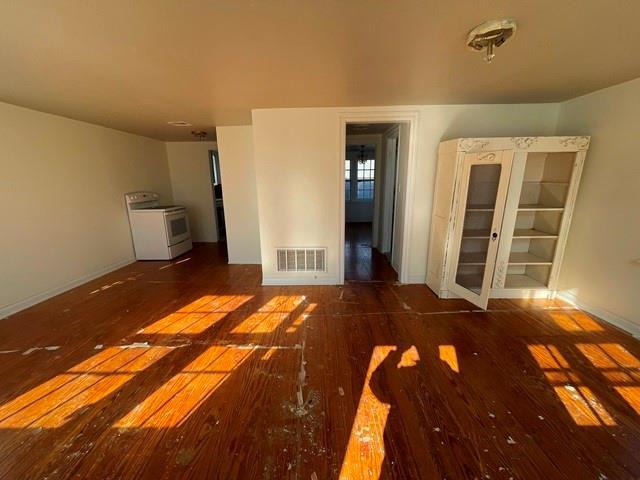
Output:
(481, 199)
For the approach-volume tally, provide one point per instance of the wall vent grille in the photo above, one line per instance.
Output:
(302, 259)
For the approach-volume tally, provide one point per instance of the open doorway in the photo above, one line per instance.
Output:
(370, 183)
(218, 202)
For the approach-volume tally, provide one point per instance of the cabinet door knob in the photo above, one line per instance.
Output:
(494, 235)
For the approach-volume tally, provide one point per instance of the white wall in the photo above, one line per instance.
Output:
(191, 185)
(235, 146)
(62, 186)
(298, 194)
(601, 267)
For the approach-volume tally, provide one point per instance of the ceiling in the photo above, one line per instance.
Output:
(136, 65)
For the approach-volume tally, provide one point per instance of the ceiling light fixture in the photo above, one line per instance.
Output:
(490, 35)
(180, 123)
(199, 134)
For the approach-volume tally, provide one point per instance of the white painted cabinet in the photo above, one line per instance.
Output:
(501, 215)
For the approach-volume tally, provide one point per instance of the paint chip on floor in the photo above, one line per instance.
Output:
(510, 440)
(31, 350)
(136, 345)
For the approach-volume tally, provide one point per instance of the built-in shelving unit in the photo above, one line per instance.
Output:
(501, 215)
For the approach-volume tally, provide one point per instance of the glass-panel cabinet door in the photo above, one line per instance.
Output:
(481, 199)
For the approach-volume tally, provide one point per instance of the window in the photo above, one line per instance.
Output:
(366, 173)
(347, 180)
(359, 173)
(215, 167)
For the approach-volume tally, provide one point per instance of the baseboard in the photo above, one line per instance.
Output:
(615, 320)
(13, 308)
(421, 279)
(266, 281)
(235, 261)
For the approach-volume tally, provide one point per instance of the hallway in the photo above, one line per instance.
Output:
(362, 262)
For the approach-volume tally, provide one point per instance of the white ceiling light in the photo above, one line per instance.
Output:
(490, 35)
(180, 123)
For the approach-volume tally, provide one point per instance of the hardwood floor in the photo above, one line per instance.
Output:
(362, 262)
(191, 369)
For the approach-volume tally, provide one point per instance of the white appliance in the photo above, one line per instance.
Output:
(160, 232)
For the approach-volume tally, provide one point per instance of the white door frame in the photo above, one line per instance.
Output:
(378, 115)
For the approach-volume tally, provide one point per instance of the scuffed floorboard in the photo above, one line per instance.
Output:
(192, 370)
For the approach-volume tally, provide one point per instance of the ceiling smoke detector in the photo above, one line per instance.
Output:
(490, 35)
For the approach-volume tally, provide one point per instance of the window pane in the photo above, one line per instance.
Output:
(347, 169)
(347, 189)
(366, 175)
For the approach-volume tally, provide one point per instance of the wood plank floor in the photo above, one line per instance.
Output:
(191, 369)
(362, 262)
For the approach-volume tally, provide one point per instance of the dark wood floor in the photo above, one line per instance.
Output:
(362, 262)
(191, 369)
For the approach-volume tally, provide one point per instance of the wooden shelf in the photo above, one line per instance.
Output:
(522, 281)
(542, 182)
(532, 233)
(526, 258)
(472, 258)
(483, 233)
(480, 208)
(536, 207)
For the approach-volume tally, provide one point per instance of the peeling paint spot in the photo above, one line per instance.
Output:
(98, 347)
(52, 348)
(510, 440)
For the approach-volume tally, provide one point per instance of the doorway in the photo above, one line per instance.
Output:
(405, 122)
(218, 201)
(370, 181)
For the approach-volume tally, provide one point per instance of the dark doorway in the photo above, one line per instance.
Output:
(365, 196)
(218, 202)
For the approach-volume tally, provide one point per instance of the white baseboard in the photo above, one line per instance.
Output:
(266, 281)
(422, 278)
(607, 316)
(245, 261)
(12, 308)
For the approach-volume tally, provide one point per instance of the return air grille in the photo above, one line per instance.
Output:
(301, 259)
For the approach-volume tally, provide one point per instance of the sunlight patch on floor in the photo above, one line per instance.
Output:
(448, 355)
(269, 317)
(580, 402)
(54, 402)
(618, 366)
(365, 452)
(178, 398)
(575, 321)
(197, 316)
